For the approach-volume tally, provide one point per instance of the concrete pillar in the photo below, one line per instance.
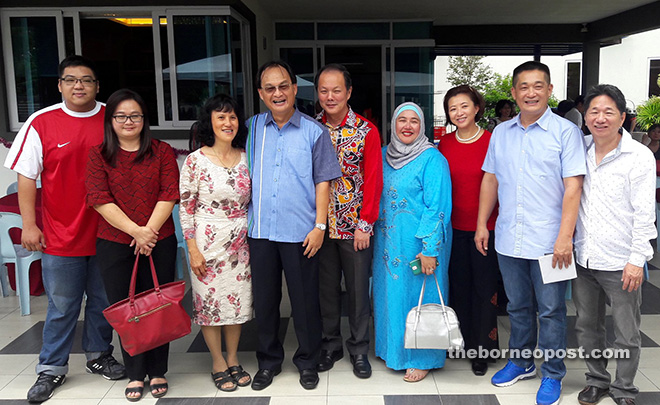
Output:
(590, 64)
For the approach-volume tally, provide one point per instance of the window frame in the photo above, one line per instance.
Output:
(155, 13)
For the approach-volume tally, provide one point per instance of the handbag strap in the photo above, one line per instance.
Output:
(131, 288)
(442, 302)
(421, 294)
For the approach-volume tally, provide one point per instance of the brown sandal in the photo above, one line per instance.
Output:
(238, 374)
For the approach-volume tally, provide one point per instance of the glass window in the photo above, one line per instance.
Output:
(35, 58)
(301, 61)
(654, 78)
(69, 38)
(413, 81)
(203, 61)
(288, 31)
(122, 49)
(412, 30)
(361, 31)
(573, 76)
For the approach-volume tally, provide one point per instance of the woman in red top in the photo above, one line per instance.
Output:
(133, 182)
(472, 277)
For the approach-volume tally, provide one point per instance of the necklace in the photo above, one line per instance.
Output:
(226, 166)
(459, 139)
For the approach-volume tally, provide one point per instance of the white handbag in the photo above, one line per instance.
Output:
(432, 326)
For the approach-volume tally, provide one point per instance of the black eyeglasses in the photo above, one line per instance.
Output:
(135, 118)
(71, 81)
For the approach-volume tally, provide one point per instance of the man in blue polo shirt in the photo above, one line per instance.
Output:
(534, 168)
(291, 161)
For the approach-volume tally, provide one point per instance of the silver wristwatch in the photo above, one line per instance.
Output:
(320, 226)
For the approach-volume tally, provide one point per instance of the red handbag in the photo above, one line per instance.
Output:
(151, 318)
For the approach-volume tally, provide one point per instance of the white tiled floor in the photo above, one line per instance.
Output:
(189, 373)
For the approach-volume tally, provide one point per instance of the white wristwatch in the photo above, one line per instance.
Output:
(320, 226)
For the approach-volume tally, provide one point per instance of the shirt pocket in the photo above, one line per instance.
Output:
(544, 163)
(299, 162)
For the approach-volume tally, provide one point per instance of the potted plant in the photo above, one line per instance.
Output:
(648, 113)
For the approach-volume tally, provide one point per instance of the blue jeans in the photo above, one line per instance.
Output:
(66, 280)
(526, 292)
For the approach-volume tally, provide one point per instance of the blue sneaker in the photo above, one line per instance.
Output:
(511, 373)
(549, 392)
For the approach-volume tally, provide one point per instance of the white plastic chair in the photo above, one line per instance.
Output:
(181, 243)
(21, 257)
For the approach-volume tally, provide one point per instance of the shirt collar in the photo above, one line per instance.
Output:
(294, 120)
(350, 120)
(625, 145)
(541, 122)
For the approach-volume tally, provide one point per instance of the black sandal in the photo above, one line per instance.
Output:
(156, 387)
(131, 390)
(238, 373)
(223, 377)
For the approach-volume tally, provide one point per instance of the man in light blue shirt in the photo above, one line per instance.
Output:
(534, 169)
(291, 161)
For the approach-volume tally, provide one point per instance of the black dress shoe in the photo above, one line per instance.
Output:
(591, 395)
(361, 366)
(309, 379)
(264, 378)
(479, 367)
(327, 359)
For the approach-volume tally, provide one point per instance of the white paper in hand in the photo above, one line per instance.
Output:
(552, 275)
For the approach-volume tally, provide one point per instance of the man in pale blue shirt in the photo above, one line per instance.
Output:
(534, 169)
(291, 161)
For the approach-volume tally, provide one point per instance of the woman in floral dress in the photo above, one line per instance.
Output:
(215, 192)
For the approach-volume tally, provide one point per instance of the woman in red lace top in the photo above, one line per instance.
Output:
(133, 182)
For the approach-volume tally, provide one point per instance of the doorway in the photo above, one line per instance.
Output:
(364, 64)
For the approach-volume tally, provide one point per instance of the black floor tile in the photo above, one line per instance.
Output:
(441, 400)
(648, 398)
(248, 342)
(412, 400)
(30, 341)
(214, 401)
(571, 337)
(650, 299)
(469, 400)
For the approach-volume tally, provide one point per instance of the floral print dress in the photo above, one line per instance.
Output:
(213, 211)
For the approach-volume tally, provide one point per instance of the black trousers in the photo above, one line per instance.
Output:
(115, 261)
(338, 257)
(267, 259)
(473, 290)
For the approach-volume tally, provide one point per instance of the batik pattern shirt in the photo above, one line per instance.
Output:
(354, 197)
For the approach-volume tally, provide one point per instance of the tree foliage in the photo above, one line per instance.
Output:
(498, 89)
(470, 70)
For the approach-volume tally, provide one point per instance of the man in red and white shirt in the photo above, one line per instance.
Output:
(54, 143)
(353, 209)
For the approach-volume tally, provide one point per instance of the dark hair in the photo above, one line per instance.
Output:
(110, 145)
(606, 90)
(223, 103)
(76, 60)
(474, 95)
(500, 104)
(531, 65)
(275, 63)
(579, 99)
(334, 67)
(652, 127)
(565, 106)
